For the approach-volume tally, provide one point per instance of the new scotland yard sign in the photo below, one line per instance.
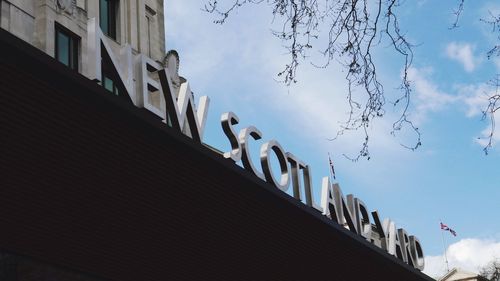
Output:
(141, 76)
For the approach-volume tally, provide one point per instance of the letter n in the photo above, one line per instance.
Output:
(97, 42)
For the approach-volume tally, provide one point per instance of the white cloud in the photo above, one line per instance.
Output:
(475, 98)
(464, 54)
(483, 140)
(428, 97)
(469, 254)
(421, 3)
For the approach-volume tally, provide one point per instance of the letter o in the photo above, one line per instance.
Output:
(244, 135)
(266, 166)
(417, 254)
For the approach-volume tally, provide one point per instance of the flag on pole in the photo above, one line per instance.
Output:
(331, 166)
(446, 228)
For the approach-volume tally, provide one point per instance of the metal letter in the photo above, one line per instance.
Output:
(394, 246)
(182, 112)
(327, 198)
(266, 165)
(380, 230)
(296, 164)
(334, 205)
(147, 66)
(417, 254)
(307, 178)
(245, 155)
(342, 212)
(96, 39)
(404, 240)
(227, 120)
(358, 208)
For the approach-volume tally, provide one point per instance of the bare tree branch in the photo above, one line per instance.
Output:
(494, 98)
(458, 13)
(356, 28)
(491, 271)
(490, 111)
(494, 22)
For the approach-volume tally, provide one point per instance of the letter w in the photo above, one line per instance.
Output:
(182, 112)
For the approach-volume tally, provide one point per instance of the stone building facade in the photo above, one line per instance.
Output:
(130, 34)
(457, 274)
(139, 23)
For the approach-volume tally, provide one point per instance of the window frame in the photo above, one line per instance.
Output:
(150, 22)
(111, 17)
(73, 46)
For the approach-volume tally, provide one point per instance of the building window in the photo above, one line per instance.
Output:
(150, 19)
(110, 85)
(66, 47)
(108, 10)
(110, 79)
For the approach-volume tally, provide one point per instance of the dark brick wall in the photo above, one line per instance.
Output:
(16, 268)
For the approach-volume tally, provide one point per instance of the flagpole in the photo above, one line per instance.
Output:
(444, 247)
(330, 165)
(332, 172)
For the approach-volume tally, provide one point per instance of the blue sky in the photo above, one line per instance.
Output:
(448, 178)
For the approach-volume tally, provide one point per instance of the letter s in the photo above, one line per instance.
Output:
(229, 119)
